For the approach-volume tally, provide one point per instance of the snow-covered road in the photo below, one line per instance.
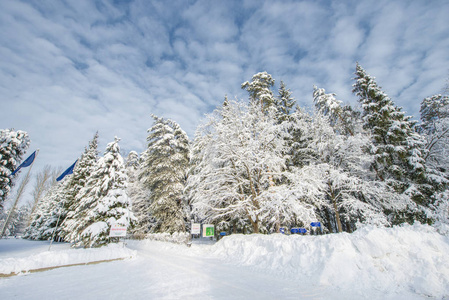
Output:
(160, 271)
(404, 262)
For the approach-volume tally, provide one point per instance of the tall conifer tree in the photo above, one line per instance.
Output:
(104, 200)
(164, 173)
(397, 147)
(83, 169)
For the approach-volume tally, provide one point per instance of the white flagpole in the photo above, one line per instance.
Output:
(19, 194)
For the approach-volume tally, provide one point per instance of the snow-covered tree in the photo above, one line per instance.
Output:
(42, 184)
(164, 172)
(47, 213)
(13, 145)
(397, 148)
(259, 89)
(284, 102)
(435, 127)
(139, 195)
(103, 201)
(342, 118)
(242, 158)
(74, 183)
(18, 220)
(338, 166)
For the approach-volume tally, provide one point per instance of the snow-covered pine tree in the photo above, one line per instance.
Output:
(75, 182)
(259, 90)
(164, 173)
(139, 195)
(342, 118)
(13, 145)
(284, 102)
(397, 147)
(104, 200)
(299, 152)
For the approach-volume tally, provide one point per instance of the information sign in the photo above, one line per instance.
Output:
(208, 230)
(282, 230)
(196, 228)
(117, 231)
(315, 224)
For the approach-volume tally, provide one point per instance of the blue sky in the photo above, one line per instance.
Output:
(70, 68)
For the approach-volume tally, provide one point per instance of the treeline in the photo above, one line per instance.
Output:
(255, 166)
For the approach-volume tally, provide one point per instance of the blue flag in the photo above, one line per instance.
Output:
(26, 163)
(67, 172)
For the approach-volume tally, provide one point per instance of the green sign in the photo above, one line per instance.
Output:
(208, 230)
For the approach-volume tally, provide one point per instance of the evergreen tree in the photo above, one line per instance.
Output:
(13, 145)
(139, 195)
(77, 181)
(103, 201)
(396, 146)
(342, 118)
(259, 90)
(284, 102)
(164, 173)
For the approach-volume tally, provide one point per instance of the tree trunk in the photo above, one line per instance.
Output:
(337, 216)
(334, 203)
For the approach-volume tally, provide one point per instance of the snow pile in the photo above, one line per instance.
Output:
(408, 257)
(176, 237)
(48, 259)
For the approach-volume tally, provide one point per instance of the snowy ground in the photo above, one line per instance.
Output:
(408, 262)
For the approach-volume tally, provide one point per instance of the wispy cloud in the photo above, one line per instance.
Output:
(70, 68)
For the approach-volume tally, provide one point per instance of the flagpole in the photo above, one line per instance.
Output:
(19, 194)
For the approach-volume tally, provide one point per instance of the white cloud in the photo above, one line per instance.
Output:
(68, 69)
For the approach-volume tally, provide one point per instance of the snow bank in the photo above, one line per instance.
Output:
(49, 259)
(176, 237)
(412, 258)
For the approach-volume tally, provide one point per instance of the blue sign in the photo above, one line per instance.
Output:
(222, 233)
(302, 230)
(282, 230)
(294, 230)
(315, 224)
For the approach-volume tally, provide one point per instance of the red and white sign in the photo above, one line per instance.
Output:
(117, 231)
(196, 228)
